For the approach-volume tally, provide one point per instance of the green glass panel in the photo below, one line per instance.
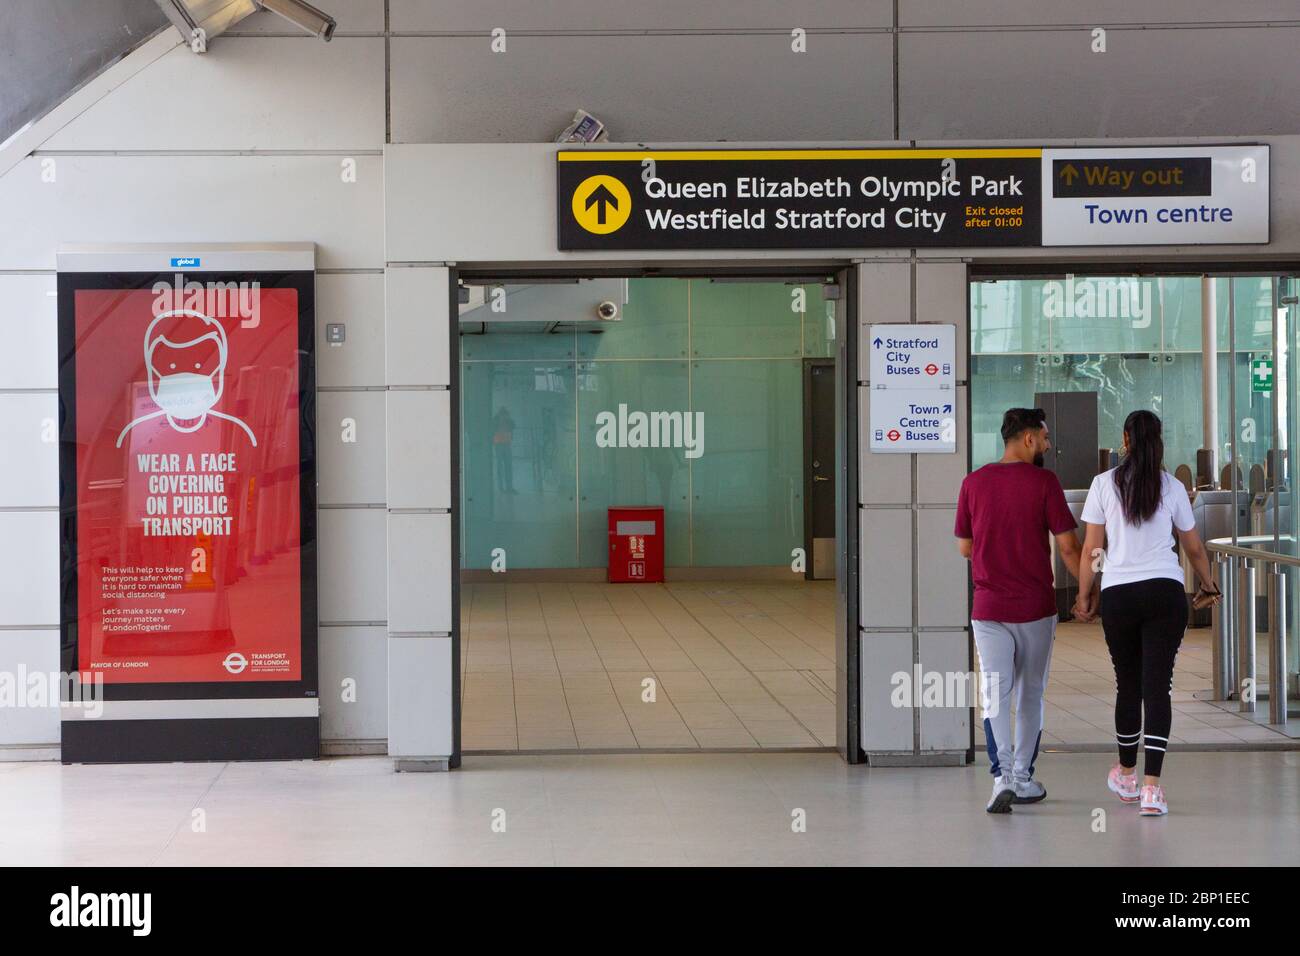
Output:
(747, 487)
(1123, 384)
(1178, 300)
(819, 330)
(1253, 296)
(521, 322)
(744, 320)
(1007, 317)
(654, 324)
(517, 453)
(1103, 314)
(631, 475)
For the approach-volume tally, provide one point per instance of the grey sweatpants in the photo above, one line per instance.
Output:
(1014, 658)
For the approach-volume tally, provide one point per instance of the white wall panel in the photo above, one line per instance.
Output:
(350, 473)
(885, 562)
(29, 568)
(417, 308)
(29, 332)
(356, 300)
(1045, 84)
(419, 573)
(29, 433)
(884, 296)
(684, 86)
(244, 93)
(938, 477)
(941, 297)
(353, 558)
(33, 652)
(882, 479)
(448, 16)
(419, 697)
(884, 726)
(943, 599)
(947, 653)
(989, 13)
(419, 449)
(194, 199)
(359, 653)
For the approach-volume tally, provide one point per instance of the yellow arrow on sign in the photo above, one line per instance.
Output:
(1069, 174)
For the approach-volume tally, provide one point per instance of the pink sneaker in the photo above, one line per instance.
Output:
(1124, 783)
(1153, 802)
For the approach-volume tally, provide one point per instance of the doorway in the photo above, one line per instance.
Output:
(1213, 356)
(687, 394)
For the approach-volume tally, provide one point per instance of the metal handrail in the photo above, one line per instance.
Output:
(1225, 546)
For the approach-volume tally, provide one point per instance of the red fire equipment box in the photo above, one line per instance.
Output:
(636, 545)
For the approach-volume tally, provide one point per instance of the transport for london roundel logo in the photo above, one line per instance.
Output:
(601, 204)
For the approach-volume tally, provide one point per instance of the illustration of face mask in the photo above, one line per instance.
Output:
(186, 395)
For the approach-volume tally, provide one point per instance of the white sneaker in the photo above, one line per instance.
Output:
(1153, 802)
(1029, 791)
(1004, 792)
(1123, 783)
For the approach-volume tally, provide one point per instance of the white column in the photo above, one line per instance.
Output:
(421, 667)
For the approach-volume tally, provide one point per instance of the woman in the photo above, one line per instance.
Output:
(1137, 510)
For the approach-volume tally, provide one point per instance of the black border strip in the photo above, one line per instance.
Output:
(454, 439)
(199, 739)
(304, 282)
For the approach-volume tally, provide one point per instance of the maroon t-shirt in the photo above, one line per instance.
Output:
(1008, 510)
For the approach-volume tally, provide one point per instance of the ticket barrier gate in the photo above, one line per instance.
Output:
(1238, 569)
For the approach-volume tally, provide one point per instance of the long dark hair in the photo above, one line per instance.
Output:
(1138, 477)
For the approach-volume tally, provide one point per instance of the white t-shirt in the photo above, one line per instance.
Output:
(1139, 552)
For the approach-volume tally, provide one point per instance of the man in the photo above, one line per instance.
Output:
(1005, 512)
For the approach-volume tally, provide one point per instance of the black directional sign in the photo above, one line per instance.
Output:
(798, 199)
(1148, 176)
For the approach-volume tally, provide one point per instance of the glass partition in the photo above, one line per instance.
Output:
(538, 372)
(1134, 341)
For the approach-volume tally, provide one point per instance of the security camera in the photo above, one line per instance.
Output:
(607, 311)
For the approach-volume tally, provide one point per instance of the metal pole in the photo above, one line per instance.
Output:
(1232, 404)
(1221, 620)
(1275, 479)
(1210, 375)
(1277, 649)
(1246, 636)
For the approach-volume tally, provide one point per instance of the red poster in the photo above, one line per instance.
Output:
(188, 530)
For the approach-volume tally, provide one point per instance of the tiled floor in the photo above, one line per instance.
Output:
(713, 665)
(637, 809)
(1080, 700)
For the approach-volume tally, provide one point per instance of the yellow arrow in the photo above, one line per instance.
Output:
(1069, 174)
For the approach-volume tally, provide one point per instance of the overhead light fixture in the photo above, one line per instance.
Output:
(303, 15)
(199, 21)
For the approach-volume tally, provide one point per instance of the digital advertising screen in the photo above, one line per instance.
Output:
(188, 479)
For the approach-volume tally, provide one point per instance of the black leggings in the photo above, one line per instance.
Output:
(1144, 624)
